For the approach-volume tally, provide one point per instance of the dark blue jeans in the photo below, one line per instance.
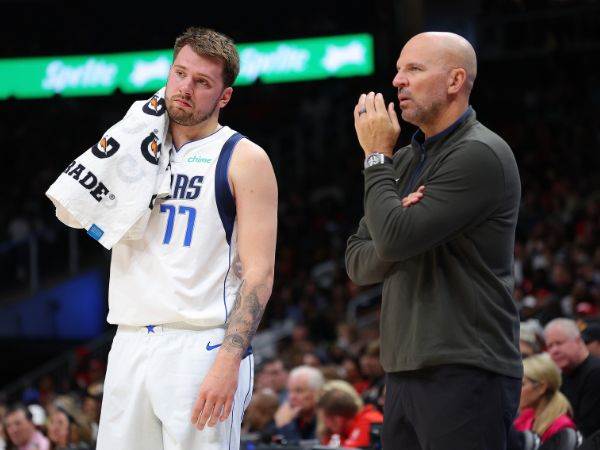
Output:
(449, 407)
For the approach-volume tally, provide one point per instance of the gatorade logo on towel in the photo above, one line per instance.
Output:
(107, 147)
(88, 180)
(151, 147)
(155, 106)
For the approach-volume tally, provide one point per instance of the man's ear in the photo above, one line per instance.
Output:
(456, 80)
(225, 97)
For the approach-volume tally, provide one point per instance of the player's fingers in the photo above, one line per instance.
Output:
(421, 189)
(216, 414)
(370, 103)
(197, 410)
(206, 413)
(227, 409)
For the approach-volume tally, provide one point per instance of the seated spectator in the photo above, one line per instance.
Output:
(591, 337)
(581, 373)
(543, 408)
(332, 372)
(293, 351)
(90, 408)
(344, 416)
(312, 359)
(67, 433)
(296, 418)
(353, 375)
(21, 432)
(530, 340)
(370, 366)
(260, 415)
(273, 375)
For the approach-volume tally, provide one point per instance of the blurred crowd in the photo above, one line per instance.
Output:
(334, 398)
(54, 417)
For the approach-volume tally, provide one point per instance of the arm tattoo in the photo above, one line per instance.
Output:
(245, 315)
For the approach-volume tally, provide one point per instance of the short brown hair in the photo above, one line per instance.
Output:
(207, 42)
(336, 402)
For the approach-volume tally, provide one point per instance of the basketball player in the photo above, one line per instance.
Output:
(189, 295)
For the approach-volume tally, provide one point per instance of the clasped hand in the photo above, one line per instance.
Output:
(377, 127)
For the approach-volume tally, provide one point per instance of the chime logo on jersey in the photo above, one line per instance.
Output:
(107, 147)
(155, 106)
(151, 147)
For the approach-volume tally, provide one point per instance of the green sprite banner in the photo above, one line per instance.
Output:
(269, 62)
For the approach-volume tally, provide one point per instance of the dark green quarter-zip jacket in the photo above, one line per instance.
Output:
(446, 263)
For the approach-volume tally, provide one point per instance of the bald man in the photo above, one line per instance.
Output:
(580, 372)
(438, 230)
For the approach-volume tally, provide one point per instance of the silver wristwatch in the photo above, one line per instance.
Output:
(376, 158)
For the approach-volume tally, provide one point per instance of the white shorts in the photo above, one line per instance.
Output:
(152, 383)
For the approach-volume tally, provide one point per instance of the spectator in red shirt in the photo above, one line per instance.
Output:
(346, 421)
(543, 408)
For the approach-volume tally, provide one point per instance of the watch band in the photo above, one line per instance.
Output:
(377, 158)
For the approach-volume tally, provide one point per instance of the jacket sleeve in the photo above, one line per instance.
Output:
(466, 187)
(363, 265)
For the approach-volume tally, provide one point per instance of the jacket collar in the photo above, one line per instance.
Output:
(418, 139)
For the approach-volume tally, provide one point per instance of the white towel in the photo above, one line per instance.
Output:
(111, 188)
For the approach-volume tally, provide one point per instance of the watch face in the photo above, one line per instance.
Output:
(373, 159)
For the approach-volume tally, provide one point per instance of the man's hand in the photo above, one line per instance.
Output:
(414, 197)
(285, 414)
(377, 128)
(215, 398)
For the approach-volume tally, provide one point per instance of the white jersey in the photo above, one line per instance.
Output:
(183, 268)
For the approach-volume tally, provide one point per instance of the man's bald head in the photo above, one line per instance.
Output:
(435, 76)
(450, 50)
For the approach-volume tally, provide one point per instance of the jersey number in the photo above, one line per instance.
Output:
(191, 213)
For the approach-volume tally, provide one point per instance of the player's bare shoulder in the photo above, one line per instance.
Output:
(247, 152)
(250, 166)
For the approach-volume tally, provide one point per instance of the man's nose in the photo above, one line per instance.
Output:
(185, 87)
(400, 81)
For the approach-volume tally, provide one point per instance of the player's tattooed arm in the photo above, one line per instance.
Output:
(245, 316)
(254, 189)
